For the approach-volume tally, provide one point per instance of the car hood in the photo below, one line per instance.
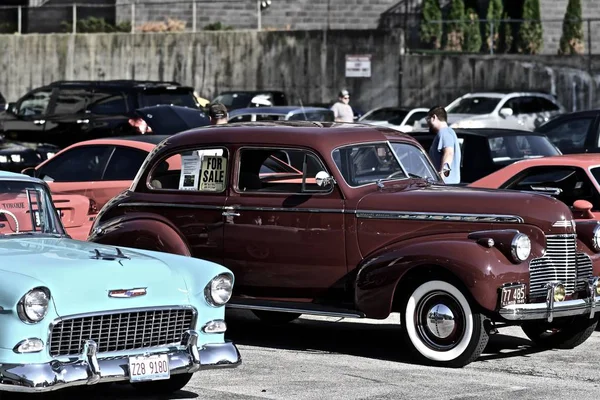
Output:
(535, 209)
(80, 283)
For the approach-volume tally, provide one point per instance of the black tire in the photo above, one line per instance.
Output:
(274, 317)
(454, 338)
(166, 386)
(567, 333)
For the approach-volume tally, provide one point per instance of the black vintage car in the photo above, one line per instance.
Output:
(576, 132)
(67, 112)
(487, 150)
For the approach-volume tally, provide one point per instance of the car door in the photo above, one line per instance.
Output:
(570, 134)
(27, 120)
(108, 113)
(284, 235)
(67, 121)
(525, 111)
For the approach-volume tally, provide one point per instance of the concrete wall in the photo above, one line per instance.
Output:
(308, 65)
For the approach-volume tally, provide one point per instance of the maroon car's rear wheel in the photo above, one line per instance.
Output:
(274, 317)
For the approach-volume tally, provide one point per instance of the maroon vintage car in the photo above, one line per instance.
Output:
(359, 226)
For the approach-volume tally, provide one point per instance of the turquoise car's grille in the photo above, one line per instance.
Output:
(130, 330)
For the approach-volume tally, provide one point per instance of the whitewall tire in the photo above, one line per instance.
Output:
(441, 327)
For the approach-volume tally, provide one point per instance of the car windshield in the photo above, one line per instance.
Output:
(596, 173)
(234, 100)
(171, 97)
(414, 161)
(367, 163)
(26, 208)
(510, 148)
(387, 114)
(474, 105)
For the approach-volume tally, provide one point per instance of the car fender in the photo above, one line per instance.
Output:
(141, 231)
(480, 269)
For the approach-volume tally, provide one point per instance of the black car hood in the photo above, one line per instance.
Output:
(169, 120)
(15, 156)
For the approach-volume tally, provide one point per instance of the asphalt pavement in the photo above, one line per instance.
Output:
(331, 358)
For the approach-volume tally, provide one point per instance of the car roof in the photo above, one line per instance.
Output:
(501, 94)
(321, 136)
(7, 175)
(483, 132)
(142, 142)
(573, 160)
(251, 91)
(122, 83)
(278, 110)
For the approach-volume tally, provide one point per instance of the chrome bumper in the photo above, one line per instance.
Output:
(88, 369)
(553, 309)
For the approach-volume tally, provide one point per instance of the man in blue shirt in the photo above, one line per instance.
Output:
(445, 150)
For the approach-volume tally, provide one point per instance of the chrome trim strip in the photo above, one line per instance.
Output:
(295, 209)
(171, 205)
(539, 311)
(413, 215)
(296, 310)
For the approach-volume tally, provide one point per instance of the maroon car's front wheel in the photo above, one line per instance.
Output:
(440, 326)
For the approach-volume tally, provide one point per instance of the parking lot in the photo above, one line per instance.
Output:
(318, 358)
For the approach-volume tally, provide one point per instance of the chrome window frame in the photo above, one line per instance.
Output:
(420, 149)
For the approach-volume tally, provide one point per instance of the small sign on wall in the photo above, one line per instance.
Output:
(358, 66)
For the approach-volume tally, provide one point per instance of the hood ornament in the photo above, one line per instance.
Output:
(127, 293)
(98, 255)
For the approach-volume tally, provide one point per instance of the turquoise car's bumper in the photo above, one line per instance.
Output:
(89, 369)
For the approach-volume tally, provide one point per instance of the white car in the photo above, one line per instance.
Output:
(401, 119)
(516, 110)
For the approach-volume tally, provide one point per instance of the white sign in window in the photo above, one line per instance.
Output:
(358, 66)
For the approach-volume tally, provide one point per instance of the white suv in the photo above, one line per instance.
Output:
(517, 110)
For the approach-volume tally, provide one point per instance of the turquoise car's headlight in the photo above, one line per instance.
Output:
(219, 290)
(33, 306)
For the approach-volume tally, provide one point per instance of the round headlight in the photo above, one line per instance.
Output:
(219, 290)
(596, 238)
(521, 247)
(559, 292)
(33, 307)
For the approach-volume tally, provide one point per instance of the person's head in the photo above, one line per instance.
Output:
(218, 114)
(437, 118)
(344, 96)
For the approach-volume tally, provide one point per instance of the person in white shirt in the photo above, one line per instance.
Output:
(341, 109)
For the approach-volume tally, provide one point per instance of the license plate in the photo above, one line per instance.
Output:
(149, 368)
(512, 295)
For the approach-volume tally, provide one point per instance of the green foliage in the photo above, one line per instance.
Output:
(455, 28)
(530, 40)
(7, 27)
(571, 41)
(431, 32)
(472, 41)
(492, 26)
(217, 26)
(96, 25)
(506, 34)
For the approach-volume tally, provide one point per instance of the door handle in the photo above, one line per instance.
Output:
(83, 121)
(39, 122)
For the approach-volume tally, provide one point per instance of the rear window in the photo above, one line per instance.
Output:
(169, 97)
(508, 148)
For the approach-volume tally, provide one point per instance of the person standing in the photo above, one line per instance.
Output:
(341, 109)
(445, 150)
(218, 114)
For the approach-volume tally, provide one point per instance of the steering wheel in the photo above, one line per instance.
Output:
(13, 217)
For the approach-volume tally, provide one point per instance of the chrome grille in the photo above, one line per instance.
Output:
(560, 263)
(127, 330)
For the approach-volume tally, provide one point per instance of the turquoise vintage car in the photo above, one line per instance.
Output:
(78, 313)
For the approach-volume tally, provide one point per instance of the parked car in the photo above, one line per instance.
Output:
(235, 99)
(14, 156)
(515, 110)
(402, 119)
(78, 313)
(360, 231)
(68, 112)
(573, 179)
(3, 103)
(284, 113)
(487, 150)
(577, 132)
(167, 119)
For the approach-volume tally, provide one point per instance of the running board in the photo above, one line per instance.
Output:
(287, 307)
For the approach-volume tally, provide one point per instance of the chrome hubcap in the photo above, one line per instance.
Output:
(440, 321)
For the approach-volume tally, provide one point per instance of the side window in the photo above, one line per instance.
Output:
(268, 170)
(107, 103)
(417, 116)
(70, 101)
(82, 164)
(124, 164)
(569, 134)
(546, 105)
(514, 104)
(530, 105)
(198, 170)
(35, 103)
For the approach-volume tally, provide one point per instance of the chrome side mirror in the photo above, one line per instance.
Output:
(323, 179)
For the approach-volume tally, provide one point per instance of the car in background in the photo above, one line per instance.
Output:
(361, 234)
(576, 132)
(283, 113)
(235, 99)
(3, 103)
(67, 112)
(142, 317)
(14, 156)
(89, 173)
(515, 110)
(399, 118)
(573, 179)
(487, 150)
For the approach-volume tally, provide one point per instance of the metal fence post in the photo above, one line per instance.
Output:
(589, 31)
(74, 18)
(258, 15)
(132, 17)
(194, 16)
(492, 37)
(20, 21)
